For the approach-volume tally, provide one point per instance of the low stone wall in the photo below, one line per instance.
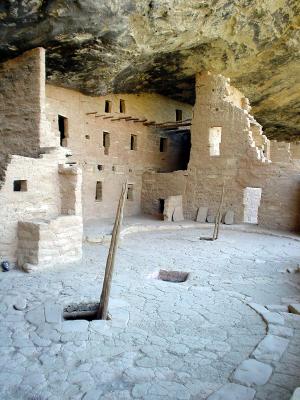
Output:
(43, 242)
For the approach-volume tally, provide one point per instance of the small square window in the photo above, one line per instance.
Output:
(100, 167)
(130, 192)
(133, 142)
(20, 186)
(107, 107)
(163, 145)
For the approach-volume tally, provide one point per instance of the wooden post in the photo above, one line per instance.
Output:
(219, 215)
(104, 299)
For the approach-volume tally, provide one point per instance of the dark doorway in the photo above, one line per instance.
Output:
(63, 129)
(161, 205)
(122, 106)
(185, 150)
(107, 107)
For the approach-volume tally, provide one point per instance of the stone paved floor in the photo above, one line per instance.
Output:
(166, 340)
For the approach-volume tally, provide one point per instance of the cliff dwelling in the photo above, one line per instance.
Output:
(149, 201)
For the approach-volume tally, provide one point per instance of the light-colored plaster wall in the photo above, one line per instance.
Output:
(85, 140)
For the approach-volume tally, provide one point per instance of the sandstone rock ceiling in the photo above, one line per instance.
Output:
(101, 46)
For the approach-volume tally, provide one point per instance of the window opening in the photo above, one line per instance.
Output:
(20, 185)
(107, 107)
(130, 192)
(106, 142)
(63, 129)
(163, 145)
(98, 196)
(122, 106)
(178, 115)
(100, 167)
(133, 142)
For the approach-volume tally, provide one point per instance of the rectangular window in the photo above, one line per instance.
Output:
(130, 192)
(106, 142)
(98, 196)
(20, 186)
(63, 129)
(133, 142)
(178, 115)
(122, 106)
(107, 107)
(215, 134)
(163, 144)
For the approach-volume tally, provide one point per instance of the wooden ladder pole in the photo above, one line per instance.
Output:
(219, 215)
(104, 298)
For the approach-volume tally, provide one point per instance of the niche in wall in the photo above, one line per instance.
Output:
(215, 136)
(63, 130)
(20, 185)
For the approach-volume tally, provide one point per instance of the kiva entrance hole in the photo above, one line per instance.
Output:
(86, 311)
(172, 276)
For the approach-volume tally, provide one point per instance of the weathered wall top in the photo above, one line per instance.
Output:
(138, 45)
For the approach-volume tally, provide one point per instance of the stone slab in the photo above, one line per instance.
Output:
(271, 348)
(278, 330)
(258, 308)
(75, 326)
(252, 372)
(211, 219)
(53, 313)
(273, 318)
(232, 391)
(294, 308)
(36, 316)
(229, 217)
(296, 394)
(277, 308)
(178, 214)
(202, 214)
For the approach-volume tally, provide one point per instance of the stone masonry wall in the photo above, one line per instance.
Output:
(84, 137)
(31, 186)
(235, 160)
(21, 99)
(44, 241)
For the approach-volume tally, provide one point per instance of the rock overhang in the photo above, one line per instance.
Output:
(135, 46)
